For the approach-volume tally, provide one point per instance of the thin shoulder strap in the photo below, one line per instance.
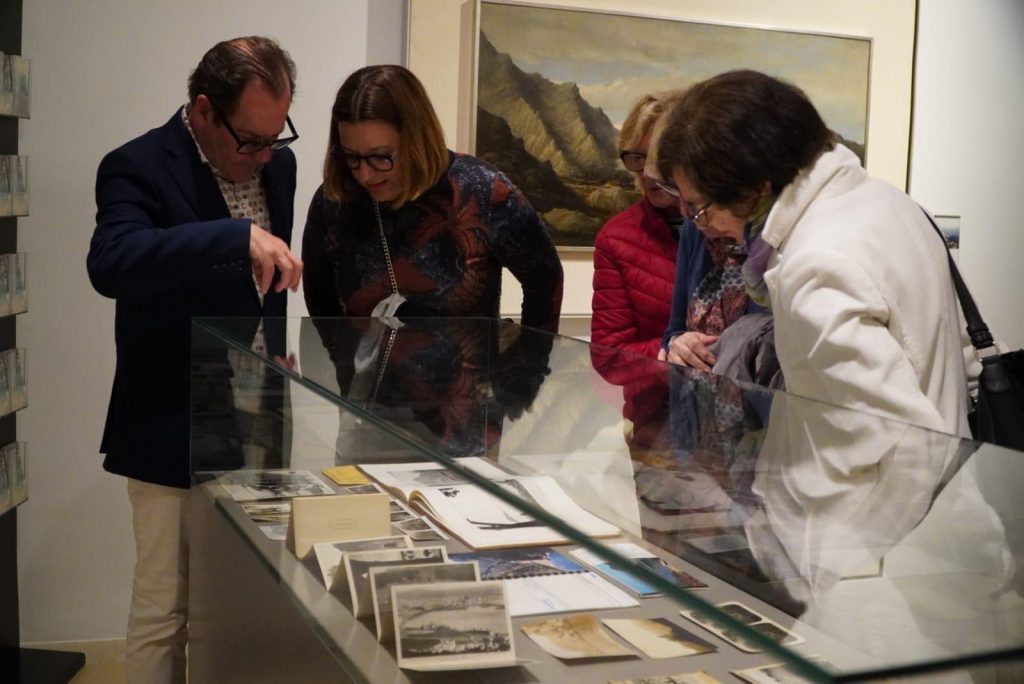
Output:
(981, 338)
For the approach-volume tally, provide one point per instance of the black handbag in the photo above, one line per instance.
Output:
(998, 415)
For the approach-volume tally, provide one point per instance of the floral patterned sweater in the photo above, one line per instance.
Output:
(447, 247)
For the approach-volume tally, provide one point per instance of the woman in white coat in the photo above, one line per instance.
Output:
(856, 277)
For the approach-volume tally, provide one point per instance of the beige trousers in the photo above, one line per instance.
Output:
(158, 617)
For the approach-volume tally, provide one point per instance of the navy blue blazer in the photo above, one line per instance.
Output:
(167, 250)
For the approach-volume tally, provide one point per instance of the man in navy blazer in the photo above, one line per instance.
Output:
(193, 219)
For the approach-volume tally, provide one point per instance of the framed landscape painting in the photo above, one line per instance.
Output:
(554, 84)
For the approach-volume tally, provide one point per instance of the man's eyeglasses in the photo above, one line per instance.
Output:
(378, 162)
(633, 161)
(254, 145)
(699, 216)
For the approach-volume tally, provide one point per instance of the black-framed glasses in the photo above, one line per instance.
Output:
(633, 161)
(254, 145)
(378, 162)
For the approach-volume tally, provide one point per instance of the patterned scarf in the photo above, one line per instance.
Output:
(758, 252)
(720, 298)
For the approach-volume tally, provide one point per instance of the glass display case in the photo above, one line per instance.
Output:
(783, 531)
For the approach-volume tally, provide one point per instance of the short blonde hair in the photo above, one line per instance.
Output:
(392, 94)
(642, 118)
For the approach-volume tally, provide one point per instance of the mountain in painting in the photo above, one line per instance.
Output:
(552, 119)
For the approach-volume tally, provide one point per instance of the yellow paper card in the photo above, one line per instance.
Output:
(346, 475)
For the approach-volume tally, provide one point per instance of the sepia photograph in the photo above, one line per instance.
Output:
(752, 620)
(358, 563)
(19, 186)
(16, 362)
(18, 282)
(330, 555)
(432, 534)
(250, 485)
(383, 578)
(6, 85)
(575, 637)
(658, 638)
(452, 626)
(6, 188)
(685, 678)
(17, 472)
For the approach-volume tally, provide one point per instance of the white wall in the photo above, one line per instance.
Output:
(104, 72)
(968, 144)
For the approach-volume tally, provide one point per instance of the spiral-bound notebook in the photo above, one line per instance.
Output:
(540, 580)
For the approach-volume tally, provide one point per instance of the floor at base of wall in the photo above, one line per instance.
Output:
(104, 659)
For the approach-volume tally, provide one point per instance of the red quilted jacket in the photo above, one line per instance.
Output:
(634, 272)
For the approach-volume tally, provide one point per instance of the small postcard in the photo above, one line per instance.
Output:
(357, 570)
(658, 638)
(330, 555)
(363, 489)
(6, 85)
(6, 185)
(250, 485)
(752, 620)
(452, 626)
(776, 673)
(19, 283)
(16, 471)
(420, 529)
(383, 578)
(5, 485)
(346, 475)
(19, 378)
(686, 678)
(263, 512)
(575, 637)
(432, 534)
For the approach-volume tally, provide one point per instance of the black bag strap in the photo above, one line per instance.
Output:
(981, 338)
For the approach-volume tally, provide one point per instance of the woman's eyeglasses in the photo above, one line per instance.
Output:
(633, 161)
(698, 216)
(381, 163)
(378, 162)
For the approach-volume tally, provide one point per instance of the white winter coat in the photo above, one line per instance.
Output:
(865, 311)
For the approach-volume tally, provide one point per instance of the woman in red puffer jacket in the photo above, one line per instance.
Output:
(635, 252)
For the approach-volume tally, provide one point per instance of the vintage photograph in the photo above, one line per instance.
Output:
(752, 620)
(330, 555)
(17, 472)
(575, 637)
(383, 578)
(19, 380)
(249, 485)
(453, 625)
(358, 563)
(554, 85)
(6, 85)
(19, 186)
(6, 283)
(685, 678)
(22, 90)
(433, 534)
(6, 198)
(5, 485)
(18, 282)
(658, 638)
